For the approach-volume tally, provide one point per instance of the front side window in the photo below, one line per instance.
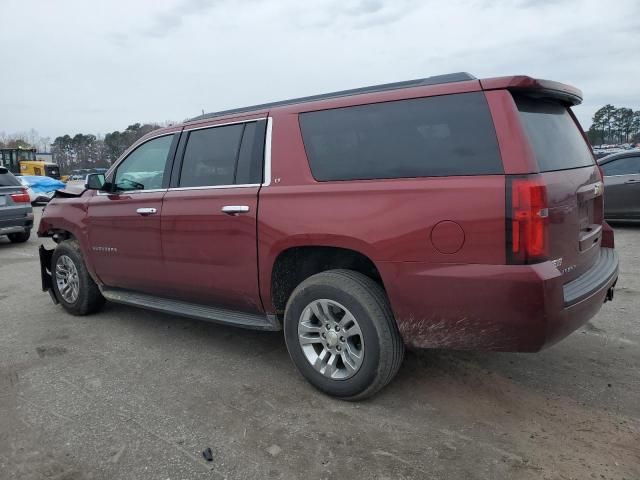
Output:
(144, 168)
(423, 137)
(622, 166)
(211, 156)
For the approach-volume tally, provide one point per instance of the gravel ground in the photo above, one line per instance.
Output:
(134, 394)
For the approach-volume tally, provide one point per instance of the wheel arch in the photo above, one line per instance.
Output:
(294, 264)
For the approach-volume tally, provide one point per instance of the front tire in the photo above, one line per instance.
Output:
(19, 237)
(73, 286)
(341, 334)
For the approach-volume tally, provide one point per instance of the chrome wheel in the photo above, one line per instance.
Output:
(331, 339)
(67, 279)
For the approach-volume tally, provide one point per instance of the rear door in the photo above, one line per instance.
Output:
(209, 216)
(573, 184)
(622, 188)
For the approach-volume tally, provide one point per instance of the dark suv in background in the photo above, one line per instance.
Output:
(16, 214)
(446, 212)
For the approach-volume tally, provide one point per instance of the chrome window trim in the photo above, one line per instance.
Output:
(267, 159)
(224, 124)
(266, 167)
(136, 192)
(267, 153)
(214, 187)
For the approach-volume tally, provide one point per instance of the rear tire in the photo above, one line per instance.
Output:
(19, 237)
(341, 334)
(73, 286)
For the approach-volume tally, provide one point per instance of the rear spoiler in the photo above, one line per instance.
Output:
(535, 87)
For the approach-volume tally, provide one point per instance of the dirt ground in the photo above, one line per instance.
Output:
(131, 394)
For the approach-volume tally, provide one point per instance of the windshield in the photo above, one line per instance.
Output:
(26, 155)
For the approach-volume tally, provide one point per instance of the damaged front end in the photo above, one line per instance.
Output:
(45, 272)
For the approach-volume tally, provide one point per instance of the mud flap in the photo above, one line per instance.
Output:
(45, 272)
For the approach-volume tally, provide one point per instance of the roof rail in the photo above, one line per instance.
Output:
(421, 82)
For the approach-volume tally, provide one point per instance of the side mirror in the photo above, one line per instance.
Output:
(3, 170)
(95, 181)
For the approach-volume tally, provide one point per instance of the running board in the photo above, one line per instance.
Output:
(192, 310)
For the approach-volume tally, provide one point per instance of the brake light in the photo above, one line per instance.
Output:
(527, 222)
(22, 197)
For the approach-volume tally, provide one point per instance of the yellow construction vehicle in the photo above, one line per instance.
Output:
(22, 161)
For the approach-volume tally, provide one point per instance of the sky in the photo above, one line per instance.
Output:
(77, 66)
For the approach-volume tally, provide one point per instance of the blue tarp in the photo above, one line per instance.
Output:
(41, 184)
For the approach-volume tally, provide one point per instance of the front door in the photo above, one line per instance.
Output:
(209, 217)
(124, 226)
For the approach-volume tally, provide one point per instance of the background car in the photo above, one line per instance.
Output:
(40, 188)
(621, 172)
(16, 214)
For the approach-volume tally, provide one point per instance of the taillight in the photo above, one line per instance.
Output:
(527, 220)
(22, 197)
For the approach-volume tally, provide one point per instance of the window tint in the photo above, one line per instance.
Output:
(622, 166)
(144, 168)
(555, 138)
(8, 180)
(210, 156)
(436, 136)
(250, 162)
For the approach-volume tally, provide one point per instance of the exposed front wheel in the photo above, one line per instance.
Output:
(73, 286)
(341, 334)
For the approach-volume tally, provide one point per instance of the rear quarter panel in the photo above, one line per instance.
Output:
(386, 220)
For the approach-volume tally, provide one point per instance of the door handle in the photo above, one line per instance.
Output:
(146, 211)
(234, 209)
(632, 180)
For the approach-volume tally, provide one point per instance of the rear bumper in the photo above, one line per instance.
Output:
(494, 307)
(18, 222)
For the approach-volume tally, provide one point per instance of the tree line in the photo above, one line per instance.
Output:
(90, 151)
(81, 150)
(613, 125)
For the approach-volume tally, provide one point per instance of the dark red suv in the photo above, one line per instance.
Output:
(446, 212)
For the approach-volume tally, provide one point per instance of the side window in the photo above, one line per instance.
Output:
(251, 160)
(144, 168)
(210, 156)
(424, 137)
(622, 166)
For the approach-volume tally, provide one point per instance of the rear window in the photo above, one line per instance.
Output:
(8, 180)
(424, 137)
(555, 138)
